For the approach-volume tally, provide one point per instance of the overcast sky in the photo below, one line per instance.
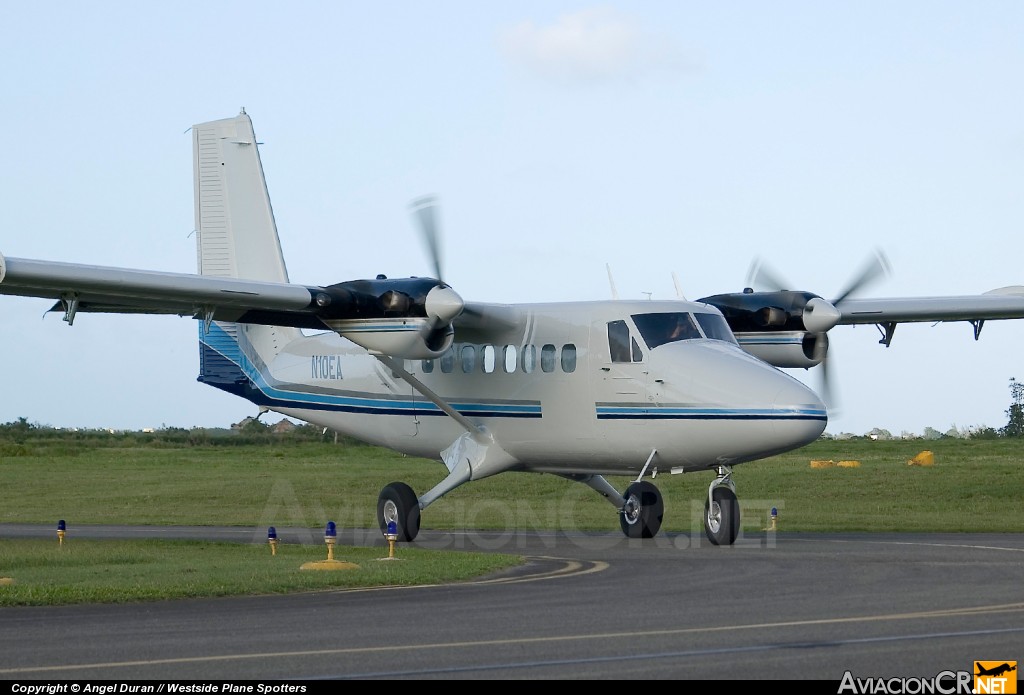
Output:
(657, 137)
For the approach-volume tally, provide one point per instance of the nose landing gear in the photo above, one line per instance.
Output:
(722, 509)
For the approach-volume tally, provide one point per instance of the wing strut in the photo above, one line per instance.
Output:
(473, 455)
(396, 366)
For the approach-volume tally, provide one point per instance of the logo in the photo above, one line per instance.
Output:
(995, 677)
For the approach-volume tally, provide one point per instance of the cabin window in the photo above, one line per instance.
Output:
(487, 358)
(547, 358)
(448, 360)
(668, 327)
(715, 327)
(468, 358)
(569, 358)
(529, 358)
(638, 354)
(510, 359)
(427, 366)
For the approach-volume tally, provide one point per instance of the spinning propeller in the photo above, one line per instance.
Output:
(443, 304)
(820, 315)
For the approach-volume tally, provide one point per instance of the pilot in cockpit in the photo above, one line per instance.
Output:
(683, 329)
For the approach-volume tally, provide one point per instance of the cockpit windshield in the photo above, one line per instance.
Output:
(667, 327)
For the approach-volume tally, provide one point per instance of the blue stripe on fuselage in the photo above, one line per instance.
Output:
(697, 413)
(237, 375)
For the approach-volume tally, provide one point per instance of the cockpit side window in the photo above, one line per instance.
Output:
(668, 327)
(618, 341)
(716, 328)
(622, 345)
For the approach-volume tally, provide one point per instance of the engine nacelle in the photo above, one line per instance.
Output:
(410, 339)
(784, 328)
(750, 311)
(3, 267)
(787, 349)
(408, 318)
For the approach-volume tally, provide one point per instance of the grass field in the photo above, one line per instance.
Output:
(93, 571)
(973, 486)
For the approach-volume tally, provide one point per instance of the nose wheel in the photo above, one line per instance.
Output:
(643, 511)
(721, 514)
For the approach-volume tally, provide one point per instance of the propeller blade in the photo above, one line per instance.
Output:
(761, 277)
(425, 210)
(876, 266)
(828, 395)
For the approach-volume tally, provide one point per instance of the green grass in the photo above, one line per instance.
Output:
(974, 486)
(97, 571)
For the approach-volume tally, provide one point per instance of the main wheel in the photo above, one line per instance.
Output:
(398, 503)
(641, 516)
(722, 516)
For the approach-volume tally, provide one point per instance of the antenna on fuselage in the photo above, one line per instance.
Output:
(679, 289)
(611, 281)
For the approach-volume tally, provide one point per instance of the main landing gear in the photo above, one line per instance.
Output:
(397, 502)
(641, 508)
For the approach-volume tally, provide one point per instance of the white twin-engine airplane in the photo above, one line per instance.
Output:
(580, 390)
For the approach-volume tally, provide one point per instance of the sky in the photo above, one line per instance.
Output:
(560, 138)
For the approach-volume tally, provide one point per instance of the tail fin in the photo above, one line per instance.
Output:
(236, 237)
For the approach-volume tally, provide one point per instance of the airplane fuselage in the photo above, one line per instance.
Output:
(572, 388)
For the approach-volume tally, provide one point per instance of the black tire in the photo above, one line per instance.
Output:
(644, 510)
(722, 516)
(397, 502)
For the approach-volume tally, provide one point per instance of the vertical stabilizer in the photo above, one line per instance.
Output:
(236, 238)
(234, 219)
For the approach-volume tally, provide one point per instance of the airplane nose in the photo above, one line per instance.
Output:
(800, 414)
(759, 410)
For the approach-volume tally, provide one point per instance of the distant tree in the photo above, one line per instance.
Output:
(254, 426)
(1015, 413)
(983, 432)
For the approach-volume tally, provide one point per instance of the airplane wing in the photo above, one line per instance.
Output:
(91, 288)
(1002, 303)
(887, 313)
(103, 289)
